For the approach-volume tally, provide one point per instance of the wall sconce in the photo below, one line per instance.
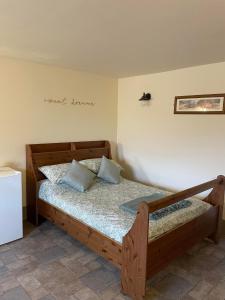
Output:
(145, 97)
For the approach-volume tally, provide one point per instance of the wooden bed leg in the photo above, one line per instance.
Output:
(216, 197)
(134, 256)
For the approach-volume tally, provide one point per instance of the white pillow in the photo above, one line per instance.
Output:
(54, 173)
(93, 164)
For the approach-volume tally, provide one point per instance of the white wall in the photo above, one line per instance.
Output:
(25, 118)
(158, 147)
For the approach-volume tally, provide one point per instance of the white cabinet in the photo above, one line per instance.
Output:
(11, 220)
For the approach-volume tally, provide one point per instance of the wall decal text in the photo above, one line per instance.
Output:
(65, 101)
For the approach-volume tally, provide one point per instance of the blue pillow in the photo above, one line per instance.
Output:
(109, 171)
(78, 177)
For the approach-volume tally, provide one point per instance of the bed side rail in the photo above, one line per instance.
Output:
(135, 242)
(171, 199)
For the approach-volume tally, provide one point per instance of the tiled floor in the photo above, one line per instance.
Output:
(48, 265)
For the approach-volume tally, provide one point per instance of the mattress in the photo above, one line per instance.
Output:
(99, 206)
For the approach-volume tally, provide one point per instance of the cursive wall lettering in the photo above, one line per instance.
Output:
(65, 101)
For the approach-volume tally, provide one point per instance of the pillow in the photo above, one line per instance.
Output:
(117, 164)
(93, 164)
(54, 172)
(109, 171)
(78, 177)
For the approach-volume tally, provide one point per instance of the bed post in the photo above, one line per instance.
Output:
(134, 255)
(31, 191)
(216, 197)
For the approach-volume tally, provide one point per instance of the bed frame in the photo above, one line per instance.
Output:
(137, 257)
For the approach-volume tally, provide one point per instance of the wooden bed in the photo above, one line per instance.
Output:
(137, 257)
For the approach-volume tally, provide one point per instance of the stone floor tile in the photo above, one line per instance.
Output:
(64, 243)
(8, 256)
(20, 263)
(173, 287)
(110, 292)
(48, 297)
(17, 293)
(74, 272)
(87, 258)
(198, 247)
(10, 283)
(4, 248)
(158, 277)
(38, 293)
(28, 282)
(54, 274)
(76, 267)
(187, 297)
(222, 244)
(68, 289)
(93, 265)
(106, 264)
(189, 276)
(201, 290)
(219, 253)
(86, 294)
(3, 271)
(24, 269)
(1, 263)
(73, 255)
(218, 292)
(5, 276)
(216, 274)
(98, 280)
(50, 254)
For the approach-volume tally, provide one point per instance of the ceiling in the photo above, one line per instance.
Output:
(114, 37)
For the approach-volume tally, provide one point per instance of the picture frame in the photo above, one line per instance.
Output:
(200, 104)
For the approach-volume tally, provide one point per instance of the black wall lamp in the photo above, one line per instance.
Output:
(145, 97)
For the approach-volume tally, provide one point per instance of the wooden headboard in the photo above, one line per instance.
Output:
(38, 155)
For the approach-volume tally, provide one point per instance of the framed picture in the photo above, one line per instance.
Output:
(200, 104)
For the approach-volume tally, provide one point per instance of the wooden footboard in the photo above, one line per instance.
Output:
(141, 259)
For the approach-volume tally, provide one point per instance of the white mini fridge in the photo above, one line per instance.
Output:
(11, 219)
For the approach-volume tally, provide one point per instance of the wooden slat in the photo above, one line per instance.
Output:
(90, 144)
(38, 148)
(96, 241)
(91, 152)
(51, 158)
(158, 204)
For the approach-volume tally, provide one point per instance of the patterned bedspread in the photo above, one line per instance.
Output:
(99, 206)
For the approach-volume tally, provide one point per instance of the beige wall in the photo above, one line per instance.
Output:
(174, 151)
(25, 118)
(156, 146)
